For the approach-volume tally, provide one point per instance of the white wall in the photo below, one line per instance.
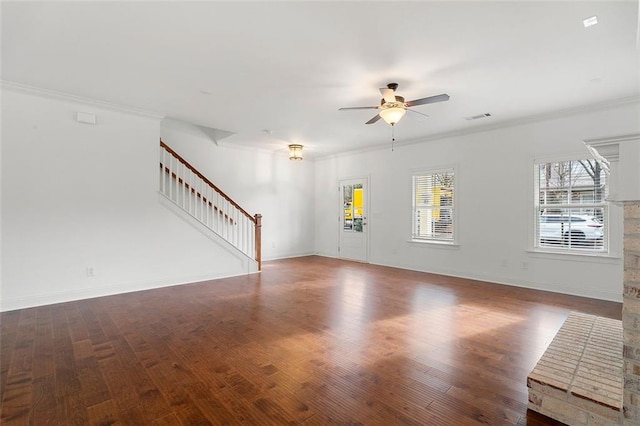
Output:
(261, 181)
(76, 196)
(494, 186)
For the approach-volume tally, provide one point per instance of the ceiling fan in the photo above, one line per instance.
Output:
(392, 107)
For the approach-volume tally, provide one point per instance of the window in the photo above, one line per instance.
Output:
(433, 206)
(571, 211)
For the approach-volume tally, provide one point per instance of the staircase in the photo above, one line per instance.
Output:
(193, 193)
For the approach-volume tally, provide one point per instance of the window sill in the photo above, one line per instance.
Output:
(575, 256)
(434, 243)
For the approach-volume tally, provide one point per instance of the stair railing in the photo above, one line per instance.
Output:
(185, 186)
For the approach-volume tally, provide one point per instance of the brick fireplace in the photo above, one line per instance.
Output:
(631, 312)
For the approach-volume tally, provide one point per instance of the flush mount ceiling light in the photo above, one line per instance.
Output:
(295, 152)
(589, 22)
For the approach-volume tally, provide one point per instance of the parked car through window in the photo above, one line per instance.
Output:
(571, 231)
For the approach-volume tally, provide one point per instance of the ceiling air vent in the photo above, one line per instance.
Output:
(477, 117)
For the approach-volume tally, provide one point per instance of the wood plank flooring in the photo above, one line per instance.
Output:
(310, 341)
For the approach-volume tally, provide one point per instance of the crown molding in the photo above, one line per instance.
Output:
(53, 94)
(612, 139)
(536, 118)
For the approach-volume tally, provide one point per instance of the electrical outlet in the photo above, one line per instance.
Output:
(91, 271)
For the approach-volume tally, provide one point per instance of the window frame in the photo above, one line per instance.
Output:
(453, 241)
(537, 246)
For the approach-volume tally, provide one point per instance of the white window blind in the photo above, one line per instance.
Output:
(433, 206)
(571, 211)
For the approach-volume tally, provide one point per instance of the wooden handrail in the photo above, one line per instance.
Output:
(207, 181)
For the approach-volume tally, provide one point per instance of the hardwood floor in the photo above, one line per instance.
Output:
(311, 341)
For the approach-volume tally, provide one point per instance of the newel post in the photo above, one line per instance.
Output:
(258, 229)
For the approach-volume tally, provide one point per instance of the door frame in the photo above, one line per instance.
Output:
(367, 231)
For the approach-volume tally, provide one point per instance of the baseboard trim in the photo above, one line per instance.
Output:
(287, 256)
(600, 295)
(10, 304)
(532, 285)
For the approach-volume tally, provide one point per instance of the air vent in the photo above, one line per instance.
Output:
(477, 117)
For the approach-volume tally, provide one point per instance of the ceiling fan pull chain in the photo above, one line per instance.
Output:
(393, 136)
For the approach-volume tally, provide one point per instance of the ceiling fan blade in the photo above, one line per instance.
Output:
(347, 108)
(373, 120)
(429, 100)
(413, 110)
(388, 94)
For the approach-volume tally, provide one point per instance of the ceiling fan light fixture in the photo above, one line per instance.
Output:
(392, 115)
(295, 152)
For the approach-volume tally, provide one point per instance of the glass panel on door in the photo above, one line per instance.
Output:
(353, 208)
(347, 202)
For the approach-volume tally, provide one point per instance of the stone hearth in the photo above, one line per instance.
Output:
(578, 380)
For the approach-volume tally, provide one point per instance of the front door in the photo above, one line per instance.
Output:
(353, 220)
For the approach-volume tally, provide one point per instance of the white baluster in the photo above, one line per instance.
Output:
(190, 189)
(246, 235)
(252, 239)
(203, 197)
(194, 197)
(216, 217)
(240, 225)
(185, 187)
(236, 228)
(202, 203)
(229, 222)
(196, 200)
(221, 216)
(245, 228)
(161, 170)
(232, 216)
(177, 184)
(171, 178)
(205, 201)
(167, 174)
(214, 211)
(226, 219)
(209, 207)
(222, 223)
(180, 180)
(200, 199)
(162, 183)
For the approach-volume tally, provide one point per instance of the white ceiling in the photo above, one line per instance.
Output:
(246, 67)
